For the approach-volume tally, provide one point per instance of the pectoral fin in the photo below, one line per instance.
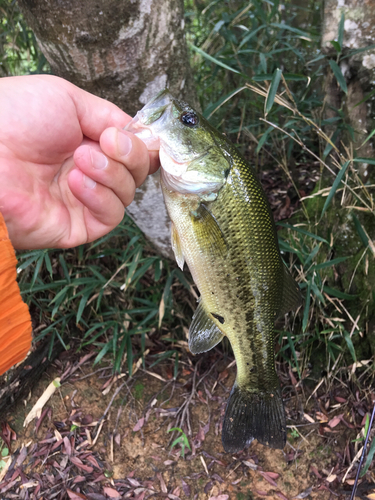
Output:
(208, 231)
(292, 297)
(176, 246)
(203, 333)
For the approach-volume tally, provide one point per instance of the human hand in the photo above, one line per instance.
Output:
(67, 170)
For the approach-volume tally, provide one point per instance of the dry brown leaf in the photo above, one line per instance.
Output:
(331, 478)
(334, 421)
(138, 426)
(308, 418)
(111, 492)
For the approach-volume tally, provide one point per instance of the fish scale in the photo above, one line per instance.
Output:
(222, 226)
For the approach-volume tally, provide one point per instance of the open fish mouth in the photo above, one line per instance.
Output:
(151, 120)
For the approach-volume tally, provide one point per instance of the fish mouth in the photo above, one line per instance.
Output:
(151, 119)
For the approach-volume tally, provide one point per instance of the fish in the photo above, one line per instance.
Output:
(223, 228)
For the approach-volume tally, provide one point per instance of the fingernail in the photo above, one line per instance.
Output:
(124, 143)
(89, 183)
(99, 160)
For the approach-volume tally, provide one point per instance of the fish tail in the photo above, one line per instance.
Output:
(253, 415)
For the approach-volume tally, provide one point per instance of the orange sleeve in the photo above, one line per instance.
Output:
(15, 321)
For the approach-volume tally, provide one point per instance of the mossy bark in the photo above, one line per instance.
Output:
(358, 70)
(124, 51)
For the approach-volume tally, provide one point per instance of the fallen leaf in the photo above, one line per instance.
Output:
(251, 465)
(111, 492)
(335, 421)
(281, 495)
(339, 399)
(220, 497)
(138, 426)
(268, 478)
(75, 496)
(308, 418)
(331, 478)
(7, 434)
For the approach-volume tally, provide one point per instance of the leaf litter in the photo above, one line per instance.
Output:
(88, 445)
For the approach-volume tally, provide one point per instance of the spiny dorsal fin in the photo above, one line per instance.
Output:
(176, 247)
(292, 297)
(203, 333)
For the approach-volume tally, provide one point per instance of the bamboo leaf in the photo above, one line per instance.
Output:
(300, 33)
(263, 139)
(334, 187)
(212, 59)
(302, 231)
(337, 293)
(336, 45)
(370, 161)
(340, 38)
(330, 263)
(350, 345)
(307, 308)
(338, 75)
(369, 458)
(360, 230)
(272, 90)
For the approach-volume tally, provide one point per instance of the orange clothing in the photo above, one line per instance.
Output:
(15, 321)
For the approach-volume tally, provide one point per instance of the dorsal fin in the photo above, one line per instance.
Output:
(203, 333)
(292, 297)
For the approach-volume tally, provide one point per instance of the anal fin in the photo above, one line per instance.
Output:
(203, 333)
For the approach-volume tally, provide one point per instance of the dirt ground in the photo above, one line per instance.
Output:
(99, 438)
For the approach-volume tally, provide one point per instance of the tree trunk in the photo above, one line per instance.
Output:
(358, 70)
(124, 51)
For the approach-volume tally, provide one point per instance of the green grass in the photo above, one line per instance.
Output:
(107, 293)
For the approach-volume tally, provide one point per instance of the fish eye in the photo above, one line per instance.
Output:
(189, 118)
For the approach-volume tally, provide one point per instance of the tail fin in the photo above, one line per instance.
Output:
(253, 415)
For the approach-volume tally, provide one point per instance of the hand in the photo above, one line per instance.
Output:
(67, 170)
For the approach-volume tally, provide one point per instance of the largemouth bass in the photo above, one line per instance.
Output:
(222, 226)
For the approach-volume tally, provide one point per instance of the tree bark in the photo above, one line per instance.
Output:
(358, 70)
(124, 51)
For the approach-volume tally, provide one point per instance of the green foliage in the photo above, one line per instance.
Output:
(181, 440)
(19, 51)
(107, 293)
(259, 72)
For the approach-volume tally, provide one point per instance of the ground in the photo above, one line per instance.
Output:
(100, 437)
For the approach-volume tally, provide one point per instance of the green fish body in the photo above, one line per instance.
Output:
(223, 228)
